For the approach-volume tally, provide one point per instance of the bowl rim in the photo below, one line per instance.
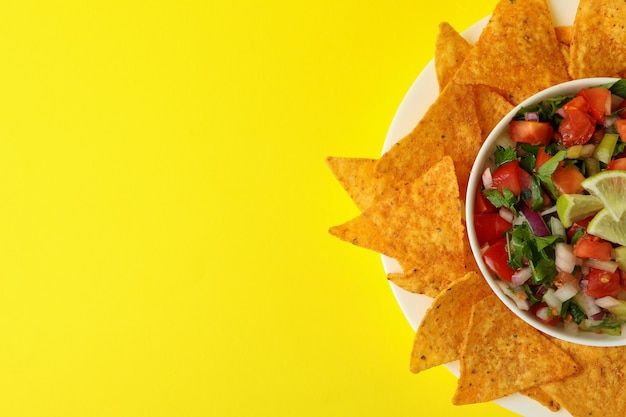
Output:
(486, 151)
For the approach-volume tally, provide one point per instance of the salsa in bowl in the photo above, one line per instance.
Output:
(546, 211)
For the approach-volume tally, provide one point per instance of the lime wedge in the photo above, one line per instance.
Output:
(610, 187)
(573, 207)
(603, 225)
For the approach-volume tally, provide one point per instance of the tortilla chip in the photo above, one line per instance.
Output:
(598, 389)
(539, 395)
(470, 261)
(491, 107)
(359, 178)
(450, 51)
(517, 53)
(404, 226)
(564, 34)
(503, 355)
(598, 47)
(449, 127)
(438, 339)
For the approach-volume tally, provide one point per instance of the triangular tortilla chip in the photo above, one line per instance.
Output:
(438, 339)
(491, 107)
(503, 355)
(449, 127)
(542, 397)
(517, 53)
(404, 226)
(564, 34)
(358, 176)
(450, 51)
(598, 389)
(598, 46)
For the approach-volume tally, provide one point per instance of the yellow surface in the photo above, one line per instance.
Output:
(165, 205)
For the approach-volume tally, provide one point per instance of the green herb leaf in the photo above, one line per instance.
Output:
(503, 155)
(505, 199)
(577, 313)
(619, 88)
(545, 171)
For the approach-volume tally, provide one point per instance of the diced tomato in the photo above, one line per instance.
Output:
(577, 127)
(580, 224)
(578, 103)
(542, 158)
(568, 179)
(497, 259)
(590, 246)
(620, 126)
(535, 133)
(551, 319)
(490, 227)
(599, 101)
(619, 163)
(508, 176)
(482, 204)
(603, 283)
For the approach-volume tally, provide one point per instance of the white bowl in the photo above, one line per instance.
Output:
(484, 159)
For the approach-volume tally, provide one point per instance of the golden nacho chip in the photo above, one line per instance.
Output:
(564, 34)
(539, 395)
(450, 51)
(438, 339)
(449, 127)
(598, 389)
(358, 176)
(470, 261)
(491, 107)
(598, 46)
(404, 226)
(517, 53)
(503, 355)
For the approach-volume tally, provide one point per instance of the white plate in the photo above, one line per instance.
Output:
(421, 95)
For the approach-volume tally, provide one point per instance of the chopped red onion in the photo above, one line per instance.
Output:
(598, 316)
(521, 276)
(487, 179)
(542, 313)
(506, 214)
(535, 221)
(552, 300)
(531, 116)
(567, 291)
(607, 302)
(609, 266)
(565, 259)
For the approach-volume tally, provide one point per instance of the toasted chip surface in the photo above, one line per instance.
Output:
(542, 397)
(598, 45)
(503, 355)
(598, 389)
(358, 176)
(439, 337)
(491, 107)
(450, 51)
(517, 53)
(449, 127)
(419, 224)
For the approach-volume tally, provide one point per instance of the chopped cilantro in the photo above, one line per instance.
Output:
(619, 88)
(503, 155)
(577, 313)
(505, 199)
(545, 171)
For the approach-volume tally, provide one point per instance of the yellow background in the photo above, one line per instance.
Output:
(165, 206)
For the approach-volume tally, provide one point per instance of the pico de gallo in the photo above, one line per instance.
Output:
(560, 273)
